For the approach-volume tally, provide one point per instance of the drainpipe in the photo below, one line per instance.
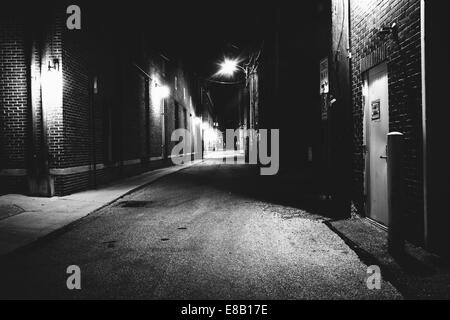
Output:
(349, 116)
(424, 126)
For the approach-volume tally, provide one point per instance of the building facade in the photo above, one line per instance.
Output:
(82, 107)
(286, 97)
(377, 69)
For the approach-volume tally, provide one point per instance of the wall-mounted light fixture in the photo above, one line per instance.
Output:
(52, 87)
(162, 92)
(53, 64)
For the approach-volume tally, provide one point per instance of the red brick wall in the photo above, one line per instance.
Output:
(404, 68)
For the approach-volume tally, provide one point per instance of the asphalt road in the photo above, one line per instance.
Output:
(212, 231)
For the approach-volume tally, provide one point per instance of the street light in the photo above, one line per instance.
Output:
(229, 66)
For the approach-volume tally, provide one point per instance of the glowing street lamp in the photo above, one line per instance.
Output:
(229, 66)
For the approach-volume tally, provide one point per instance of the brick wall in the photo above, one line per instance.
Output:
(404, 78)
(94, 136)
(77, 121)
(125, 136)
(13, 102)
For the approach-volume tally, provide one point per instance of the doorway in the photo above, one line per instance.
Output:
(377, 129)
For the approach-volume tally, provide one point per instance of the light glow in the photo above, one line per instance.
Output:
(162, 92)
(228, 67)
(197, 121)
(52, 89)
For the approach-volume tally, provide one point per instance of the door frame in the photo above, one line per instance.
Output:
(366, 140)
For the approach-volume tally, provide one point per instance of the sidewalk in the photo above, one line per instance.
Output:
(26, 219)
(417, 275)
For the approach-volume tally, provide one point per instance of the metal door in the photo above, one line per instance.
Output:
(378, 128)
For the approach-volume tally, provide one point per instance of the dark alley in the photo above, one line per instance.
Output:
(197, 234)
(224, 150)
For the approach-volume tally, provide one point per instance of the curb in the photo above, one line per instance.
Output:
(369, 259)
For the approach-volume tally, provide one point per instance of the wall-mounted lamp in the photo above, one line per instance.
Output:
(53, 64)
(162, 92)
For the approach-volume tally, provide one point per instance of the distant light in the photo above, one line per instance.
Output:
(197, 121)
(95, 85)
(228, 67)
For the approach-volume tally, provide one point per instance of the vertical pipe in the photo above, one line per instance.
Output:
(349, 114)
(424, 126)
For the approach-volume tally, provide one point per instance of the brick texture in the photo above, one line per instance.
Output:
(103, 119)
(13, 102)
(13, 94)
